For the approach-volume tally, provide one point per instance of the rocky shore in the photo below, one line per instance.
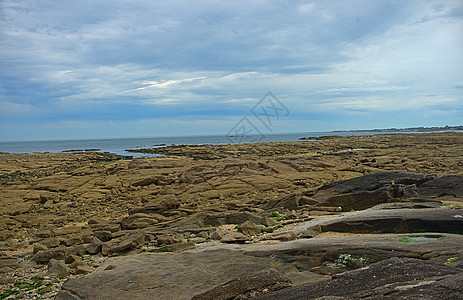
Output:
(299, 220)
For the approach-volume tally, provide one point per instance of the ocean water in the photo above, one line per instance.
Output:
(119, 146)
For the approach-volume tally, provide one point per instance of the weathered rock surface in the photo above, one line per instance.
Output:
(395, 278)
(62, 204)
(390, 221)
(251, 285)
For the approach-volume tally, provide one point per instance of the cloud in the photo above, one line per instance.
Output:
(112, 60)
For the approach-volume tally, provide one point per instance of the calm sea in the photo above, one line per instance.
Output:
(119, 146)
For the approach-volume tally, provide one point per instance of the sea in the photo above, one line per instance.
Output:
(121, 145)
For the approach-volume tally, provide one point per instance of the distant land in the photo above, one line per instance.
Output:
(411, 129)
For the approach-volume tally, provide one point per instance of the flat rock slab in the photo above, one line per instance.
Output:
(390, 221)
(194, 272)
(165, 275)
(395, 278)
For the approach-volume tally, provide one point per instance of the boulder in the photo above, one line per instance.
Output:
(449, 185)
(95, 246)
(45, 256)
(57, 268)
(388, 279)
(249, 228)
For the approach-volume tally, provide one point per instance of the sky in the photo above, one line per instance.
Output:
(111, 68)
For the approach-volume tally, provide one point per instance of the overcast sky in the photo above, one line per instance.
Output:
(110, 68)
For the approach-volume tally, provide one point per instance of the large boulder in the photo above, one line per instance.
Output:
(393, 278)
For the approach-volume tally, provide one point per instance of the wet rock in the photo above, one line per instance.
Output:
(264, 281)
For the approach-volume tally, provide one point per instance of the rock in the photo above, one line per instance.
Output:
(284, 236)
(264, 281)
(71, 259)
(249, 228)
(45, 255)
(103, 235)
(57, 268)
(391, 221)
(178, 247)
(74, 240)
(389, 279)
(97, 221)
(178, 274)
(234, 237)
(38, 247)
(158, 208)
(166, 240)
(82, 269)
(141, 220)
(44, 233)
(238, 217)
(95, 246)
(50, 242)
(126, 243)
(146, 181)
(450, 185)
(8, 262)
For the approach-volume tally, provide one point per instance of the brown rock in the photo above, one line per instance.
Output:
(95, 246)
(45, 255)
(234, 237)
(44, 233)
(284, 236)
(178, 247)
(8, 262)
(249, 228)
(57, 268)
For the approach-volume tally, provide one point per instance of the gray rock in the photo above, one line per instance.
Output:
(267, 280)
(385, 279)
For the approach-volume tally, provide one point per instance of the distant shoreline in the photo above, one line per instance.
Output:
(411, 129)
